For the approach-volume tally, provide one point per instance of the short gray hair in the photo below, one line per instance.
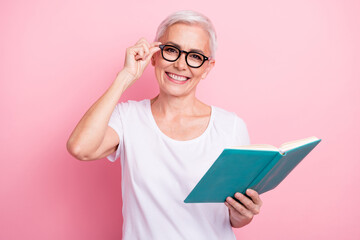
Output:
(189, 17)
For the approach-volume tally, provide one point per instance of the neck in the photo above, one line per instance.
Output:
(170, 106)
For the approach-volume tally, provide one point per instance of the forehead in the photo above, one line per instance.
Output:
(187, 37)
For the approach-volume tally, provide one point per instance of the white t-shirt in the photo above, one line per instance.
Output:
(159, 172)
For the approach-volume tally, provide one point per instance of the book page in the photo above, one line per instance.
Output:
(297, 143)
(265, 147)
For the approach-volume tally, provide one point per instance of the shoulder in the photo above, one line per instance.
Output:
(131, 105)
(226, 117)
(231, 124)
(129, 109)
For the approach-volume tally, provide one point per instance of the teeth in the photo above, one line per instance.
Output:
(176, 77)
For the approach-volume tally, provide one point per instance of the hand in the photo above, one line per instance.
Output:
(138, 57)
(242, 214)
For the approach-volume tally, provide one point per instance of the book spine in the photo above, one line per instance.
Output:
(255, 184)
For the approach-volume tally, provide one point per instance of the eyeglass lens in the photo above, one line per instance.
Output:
(193, 59)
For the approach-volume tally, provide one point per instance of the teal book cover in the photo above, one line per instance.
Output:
(259, 167)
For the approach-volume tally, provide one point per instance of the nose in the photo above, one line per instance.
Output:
(181, 62)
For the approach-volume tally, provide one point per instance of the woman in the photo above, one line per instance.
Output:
(167, 143)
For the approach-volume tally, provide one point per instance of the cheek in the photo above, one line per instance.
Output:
(197, 73)
(161, 65)
(159, 60)
(160, 68)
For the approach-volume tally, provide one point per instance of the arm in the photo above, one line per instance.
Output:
(242, 214)
(89, 133)
(92, 138)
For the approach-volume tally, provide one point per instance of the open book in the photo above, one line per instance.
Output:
(260, 167)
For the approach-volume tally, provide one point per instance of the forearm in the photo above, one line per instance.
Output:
(90, 131)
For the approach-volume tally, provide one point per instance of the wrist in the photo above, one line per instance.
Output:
(125, 75)
(238, 222)
(124, 79)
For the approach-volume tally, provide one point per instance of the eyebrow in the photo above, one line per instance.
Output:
(191, 50)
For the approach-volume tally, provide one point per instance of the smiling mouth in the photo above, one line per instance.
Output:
(177, 78)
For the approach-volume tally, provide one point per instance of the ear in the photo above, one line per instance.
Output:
(153, 60)
(153, 57)
(211, 64)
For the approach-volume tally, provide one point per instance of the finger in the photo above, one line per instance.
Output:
(146, 47)
(137, 52)
(140, 55)
(142, 40)
(151, 52)
(134, 50)
(231, 208)
(254, 196)
(155, 44)
(237, 207)
(248, 203)
(142, 51)
(137, 57)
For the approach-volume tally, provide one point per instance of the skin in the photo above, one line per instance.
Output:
(176, 110)
(242, 214)
(181, 99)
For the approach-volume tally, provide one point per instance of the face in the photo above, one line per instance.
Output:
(177, 78)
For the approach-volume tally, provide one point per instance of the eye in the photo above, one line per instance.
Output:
(171, 50)
(196, 57)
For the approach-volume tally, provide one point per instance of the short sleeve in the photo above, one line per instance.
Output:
(116, 122)
(241, 135)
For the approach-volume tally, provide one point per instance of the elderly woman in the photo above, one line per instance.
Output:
(167, 143)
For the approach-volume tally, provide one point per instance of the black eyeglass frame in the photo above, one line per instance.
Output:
(182, 51)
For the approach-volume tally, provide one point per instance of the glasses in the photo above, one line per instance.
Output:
(193, 59)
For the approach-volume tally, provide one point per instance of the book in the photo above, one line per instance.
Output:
(260, 167)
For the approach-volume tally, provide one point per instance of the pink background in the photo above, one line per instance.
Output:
(290, 69)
